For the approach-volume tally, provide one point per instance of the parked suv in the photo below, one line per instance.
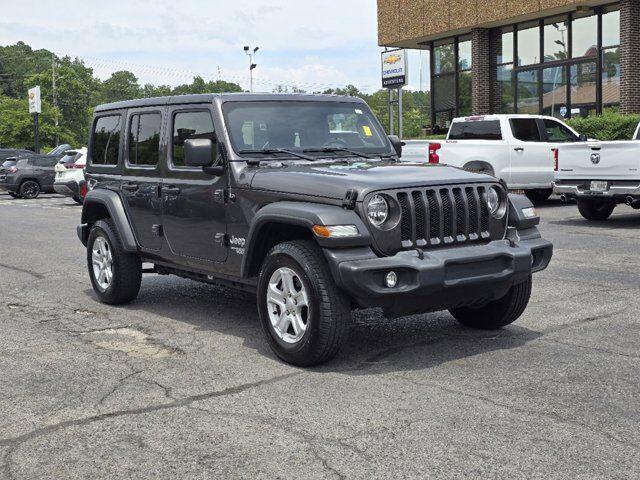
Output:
(69, 179)
(30, 175)
(301, 199)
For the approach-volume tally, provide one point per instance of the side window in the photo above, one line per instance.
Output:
(144, 139)
(186, 125)
(526, 129)
(557, 132)
(106, 140)
(476, 130)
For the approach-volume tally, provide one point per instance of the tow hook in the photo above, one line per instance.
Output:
(512, 236)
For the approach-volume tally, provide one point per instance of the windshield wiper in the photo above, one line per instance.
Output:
(338, 149)
(271, 151)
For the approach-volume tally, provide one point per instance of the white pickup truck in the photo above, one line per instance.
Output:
(600, 175)
(519, 149)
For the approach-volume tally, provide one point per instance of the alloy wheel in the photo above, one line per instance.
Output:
(288, 305)
(102, 261)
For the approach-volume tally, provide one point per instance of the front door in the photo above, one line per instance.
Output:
(194, 213)
(141, 179)
(531, 157)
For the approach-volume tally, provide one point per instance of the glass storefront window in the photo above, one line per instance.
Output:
(464, 55)
(444, 91)
(585, 37)
(556, 39)
(504, 47)
(611, 76)
(505, 89)
(583, 89)
(528, 45)
(464, 93)
(528, 98)
(554, 92)
(444, 59)
(611, 28)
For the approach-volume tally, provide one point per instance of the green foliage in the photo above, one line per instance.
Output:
(77, 93)
(608, 126)
(16, 125)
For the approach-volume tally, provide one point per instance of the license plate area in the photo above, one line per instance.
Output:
(598, 186)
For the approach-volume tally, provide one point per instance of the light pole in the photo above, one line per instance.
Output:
(252, 65)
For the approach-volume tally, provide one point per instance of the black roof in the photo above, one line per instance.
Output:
(225, 97)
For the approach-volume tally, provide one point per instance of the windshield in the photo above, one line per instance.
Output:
(304, 126)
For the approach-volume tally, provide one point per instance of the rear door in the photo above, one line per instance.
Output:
(194, 211)
(140, 187)
(531, 156)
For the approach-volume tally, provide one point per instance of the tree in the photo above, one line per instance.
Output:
(122, 85)
(16, 125)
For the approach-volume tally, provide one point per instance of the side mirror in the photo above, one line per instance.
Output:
(198, 152)
(397, 144)
(583, 138)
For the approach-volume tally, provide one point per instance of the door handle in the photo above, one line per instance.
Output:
(170, 190)
(519, 149)
(130, 187)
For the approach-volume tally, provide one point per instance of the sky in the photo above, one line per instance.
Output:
(313, 45)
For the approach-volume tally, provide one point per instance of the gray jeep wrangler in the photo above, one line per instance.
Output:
(303, 200)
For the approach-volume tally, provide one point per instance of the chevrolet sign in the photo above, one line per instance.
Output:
(394, 68)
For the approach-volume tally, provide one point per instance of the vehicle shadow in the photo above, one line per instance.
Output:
(629, 220)
(376, 344)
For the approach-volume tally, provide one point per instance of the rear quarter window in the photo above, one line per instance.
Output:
(476, 130)
(105, 143)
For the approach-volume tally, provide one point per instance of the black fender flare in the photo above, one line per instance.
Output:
(113, 203)
(305, 214)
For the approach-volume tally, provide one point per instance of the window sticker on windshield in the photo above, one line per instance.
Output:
(367, 130)
(358, 111)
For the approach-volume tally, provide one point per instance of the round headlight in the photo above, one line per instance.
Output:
(493, 198)
(377, 210)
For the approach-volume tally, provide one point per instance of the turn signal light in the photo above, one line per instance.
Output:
(335, 231)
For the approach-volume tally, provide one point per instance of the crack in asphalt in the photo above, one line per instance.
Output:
(37, 275)
(14, 442)
(583, 321)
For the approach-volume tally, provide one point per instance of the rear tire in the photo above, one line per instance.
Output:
(29, 189)
(78, 200)
(595, 210)
(121, 282)
(538, 195)
(498, 313)
(323, 321)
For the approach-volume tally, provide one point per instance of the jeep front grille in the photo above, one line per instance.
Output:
(442, 216)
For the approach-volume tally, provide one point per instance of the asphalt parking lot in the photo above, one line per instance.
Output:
(180, 384)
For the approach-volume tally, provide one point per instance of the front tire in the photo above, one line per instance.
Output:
(304, 316)
(595, 210)
(29, 189)
(499, 313)
(115, 274)
(538, 195)
(78, 200)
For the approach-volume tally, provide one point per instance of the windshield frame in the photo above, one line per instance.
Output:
(383, 151)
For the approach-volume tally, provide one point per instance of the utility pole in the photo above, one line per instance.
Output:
(252, 65)
(55, 94)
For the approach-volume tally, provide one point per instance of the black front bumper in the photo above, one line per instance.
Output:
(441, 279)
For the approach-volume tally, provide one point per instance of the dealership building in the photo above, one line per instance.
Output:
(556, 57)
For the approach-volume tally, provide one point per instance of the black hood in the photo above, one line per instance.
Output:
(333, 180)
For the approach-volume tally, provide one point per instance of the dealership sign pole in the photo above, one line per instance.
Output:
(394, 77)
(35, 108)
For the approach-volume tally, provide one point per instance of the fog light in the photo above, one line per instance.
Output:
(391, 279)
(529, 212)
